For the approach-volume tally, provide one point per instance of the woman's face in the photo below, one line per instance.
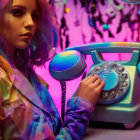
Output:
(19, 22)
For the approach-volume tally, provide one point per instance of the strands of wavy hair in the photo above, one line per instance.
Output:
(42, 43)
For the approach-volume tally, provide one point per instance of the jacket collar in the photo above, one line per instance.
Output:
(21, 83)
(26, 89)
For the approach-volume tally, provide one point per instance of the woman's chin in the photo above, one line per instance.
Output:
(22, 45)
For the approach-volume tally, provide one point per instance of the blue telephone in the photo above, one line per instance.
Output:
(119, 101)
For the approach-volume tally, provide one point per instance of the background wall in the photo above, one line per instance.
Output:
(89, 21)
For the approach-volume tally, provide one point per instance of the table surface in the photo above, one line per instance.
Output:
(112, 131)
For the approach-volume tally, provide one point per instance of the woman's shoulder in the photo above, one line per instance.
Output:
(3, 74)
(5, 66)
(5, 82)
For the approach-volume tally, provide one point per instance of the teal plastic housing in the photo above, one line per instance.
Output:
(127, 110)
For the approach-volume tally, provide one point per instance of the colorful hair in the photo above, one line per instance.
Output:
(43, 41)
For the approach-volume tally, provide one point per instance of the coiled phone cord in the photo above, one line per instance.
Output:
(63, 95)
(63, 99)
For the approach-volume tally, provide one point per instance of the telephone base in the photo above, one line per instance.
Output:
(125, 111)
(127, 116)
(120, 98)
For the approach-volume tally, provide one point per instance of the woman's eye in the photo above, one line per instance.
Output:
(17, 12)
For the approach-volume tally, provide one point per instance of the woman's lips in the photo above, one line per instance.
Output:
(26, 36)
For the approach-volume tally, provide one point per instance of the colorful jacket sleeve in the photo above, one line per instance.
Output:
(76, 121)
(77, 116)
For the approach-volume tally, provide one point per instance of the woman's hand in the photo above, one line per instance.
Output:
(90, 88)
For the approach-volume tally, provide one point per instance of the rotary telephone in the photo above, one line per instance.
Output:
(119, 101)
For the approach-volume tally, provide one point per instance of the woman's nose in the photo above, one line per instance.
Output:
(29, 23)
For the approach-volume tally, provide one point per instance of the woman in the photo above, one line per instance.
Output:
(26, 108)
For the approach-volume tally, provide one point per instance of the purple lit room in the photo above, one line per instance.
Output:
(69, 69)
(98, 37)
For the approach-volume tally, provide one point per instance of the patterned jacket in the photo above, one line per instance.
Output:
(27, 110)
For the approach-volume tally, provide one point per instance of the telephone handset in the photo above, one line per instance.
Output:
(66, 66)
(70, 64)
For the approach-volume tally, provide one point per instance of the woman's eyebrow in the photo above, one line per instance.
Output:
(18, 6)
(22, 7)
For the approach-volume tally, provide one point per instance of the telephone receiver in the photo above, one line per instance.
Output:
(70, 64)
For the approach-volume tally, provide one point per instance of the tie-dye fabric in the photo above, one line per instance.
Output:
(27, 111)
